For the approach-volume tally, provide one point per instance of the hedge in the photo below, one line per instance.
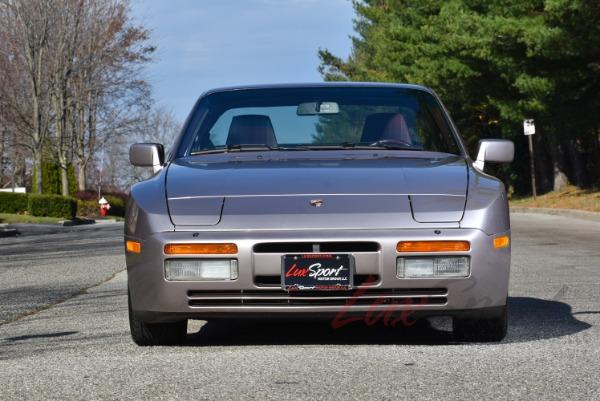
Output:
(87, 208)
(117, 205)
(52, 206)
(13, 202)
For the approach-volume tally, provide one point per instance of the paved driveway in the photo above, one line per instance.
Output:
(80, 348)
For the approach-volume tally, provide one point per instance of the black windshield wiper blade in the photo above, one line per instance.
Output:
(208, 151)
(346, 145)
(354, 145)
(325, 147)
(302, 147)
(249, 148)
(240, 147)
(391, 146)
(342, 146)
(395, 145)
(236, 148)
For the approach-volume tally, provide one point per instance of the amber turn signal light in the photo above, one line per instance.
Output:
(433, 246)
(501, 242)
(201, 249)
(133, 246)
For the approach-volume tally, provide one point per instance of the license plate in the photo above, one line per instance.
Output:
(324, 272)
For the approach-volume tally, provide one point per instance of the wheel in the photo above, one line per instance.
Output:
(481, 330)
(155, 333)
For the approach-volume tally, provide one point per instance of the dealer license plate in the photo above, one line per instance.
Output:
(316, 271)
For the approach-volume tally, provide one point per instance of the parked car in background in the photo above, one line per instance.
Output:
(315, 200)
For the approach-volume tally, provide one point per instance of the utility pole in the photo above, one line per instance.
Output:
(101, 172)
(529, 130)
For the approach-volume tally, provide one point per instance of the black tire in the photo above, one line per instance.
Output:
(481, 330)
(155, 333)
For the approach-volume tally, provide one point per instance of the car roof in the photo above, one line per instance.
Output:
(336, 84)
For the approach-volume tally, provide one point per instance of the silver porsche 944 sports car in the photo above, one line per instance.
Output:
(337, 200)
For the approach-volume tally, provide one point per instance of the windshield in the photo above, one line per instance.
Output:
(318, 118)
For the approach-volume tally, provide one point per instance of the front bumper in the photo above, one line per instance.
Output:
(256, 291)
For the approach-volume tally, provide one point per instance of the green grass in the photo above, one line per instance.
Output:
(569, 198)
(9, 218)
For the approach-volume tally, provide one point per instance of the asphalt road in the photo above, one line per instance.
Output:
(80, 348)
(48, 264)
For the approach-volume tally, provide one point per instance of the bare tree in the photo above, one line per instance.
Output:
(112, 96)
(63, 45)
(25, 89)
(71, 79)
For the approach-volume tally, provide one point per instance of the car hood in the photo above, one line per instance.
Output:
(293, 192)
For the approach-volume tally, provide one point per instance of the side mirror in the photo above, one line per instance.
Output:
(494, 150)
(147, 155)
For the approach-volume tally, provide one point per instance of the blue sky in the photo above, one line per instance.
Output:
(205, 44)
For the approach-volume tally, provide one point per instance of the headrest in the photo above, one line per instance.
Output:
(380, 126)
(251, 129)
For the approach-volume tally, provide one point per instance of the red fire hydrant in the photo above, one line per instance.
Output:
(104, 206)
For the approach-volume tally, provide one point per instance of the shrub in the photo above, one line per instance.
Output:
(88, 208)
(52, 206)
(12, 202)
(117, 205)
(51, 183)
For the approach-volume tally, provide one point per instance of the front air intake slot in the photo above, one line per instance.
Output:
(324, 247)
(275, 280)
(274, 297)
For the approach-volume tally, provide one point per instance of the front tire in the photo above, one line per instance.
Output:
(492, 329)
(144, 334)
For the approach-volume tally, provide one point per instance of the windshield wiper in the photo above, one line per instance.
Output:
(234, 148)
(359, 146)
(382, 144)
(392, 146)
(248, 148)
(240, 147)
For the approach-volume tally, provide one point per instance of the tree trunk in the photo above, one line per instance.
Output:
(23, 171)
(3, 138)
(544, 166)
(594, 158)
(37, 144)
(576, 157)
(91, 130)
(37, 168)
(64, 179)
(560, 178)
(80, 154)
(13, 175)
(81, 178)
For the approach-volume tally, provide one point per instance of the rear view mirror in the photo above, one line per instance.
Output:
(494, 150)
(147, 155)
(316, 108)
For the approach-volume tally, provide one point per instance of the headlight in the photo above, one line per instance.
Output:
(438, 266)
(201, 269)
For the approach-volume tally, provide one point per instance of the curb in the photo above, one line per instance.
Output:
(106, 221)
(27, 229)
(8, 232)
(578, 214)
(76, 222)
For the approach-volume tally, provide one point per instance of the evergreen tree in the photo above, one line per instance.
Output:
(494, 63)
